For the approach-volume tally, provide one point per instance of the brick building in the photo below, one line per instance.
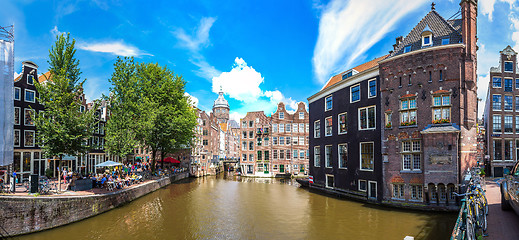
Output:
(428, 90)
(501, 110)
(255, 152)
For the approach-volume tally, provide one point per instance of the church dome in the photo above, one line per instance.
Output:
(220, 101)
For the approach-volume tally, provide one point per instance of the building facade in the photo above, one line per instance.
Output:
(345, 134)
(501, 111)
(429, 101)
(255, 152)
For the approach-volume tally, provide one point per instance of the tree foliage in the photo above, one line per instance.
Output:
(62, 61)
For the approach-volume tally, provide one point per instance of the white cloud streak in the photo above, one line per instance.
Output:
(192, 98)
(347, 29)
(118, 48)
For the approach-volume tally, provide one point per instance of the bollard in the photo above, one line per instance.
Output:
(408, 238)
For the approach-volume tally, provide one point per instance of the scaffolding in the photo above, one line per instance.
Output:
(6, 95)
(7, 33)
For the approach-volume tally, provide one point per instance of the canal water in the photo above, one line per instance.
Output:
(251, 208)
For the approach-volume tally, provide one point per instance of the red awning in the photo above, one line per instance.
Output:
(171, 160)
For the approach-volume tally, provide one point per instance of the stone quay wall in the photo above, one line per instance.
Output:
(27, 214)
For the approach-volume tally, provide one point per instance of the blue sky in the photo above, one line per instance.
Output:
(259, 52)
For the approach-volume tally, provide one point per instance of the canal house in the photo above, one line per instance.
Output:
(345, 133)
(501, 110)
(428, 90)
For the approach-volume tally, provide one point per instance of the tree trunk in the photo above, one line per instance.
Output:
(59, 173)
(162, 159)
(153, 152)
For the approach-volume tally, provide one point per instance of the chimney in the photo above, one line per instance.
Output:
(398, 41)
(469, 13)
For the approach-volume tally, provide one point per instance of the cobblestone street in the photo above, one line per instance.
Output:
(502, 225)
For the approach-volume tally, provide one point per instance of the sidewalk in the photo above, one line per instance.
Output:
(502, 225)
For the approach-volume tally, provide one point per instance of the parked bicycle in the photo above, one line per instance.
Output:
(477, 211)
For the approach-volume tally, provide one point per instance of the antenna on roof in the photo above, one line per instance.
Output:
(456, 14)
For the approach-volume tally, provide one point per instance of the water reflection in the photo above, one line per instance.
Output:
(251, 208)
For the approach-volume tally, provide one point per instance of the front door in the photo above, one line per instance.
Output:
(372, 191)
(281, 168)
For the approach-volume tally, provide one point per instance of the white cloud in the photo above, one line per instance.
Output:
(515, 31)
(487, 8)
(192, 98)
(347, 29)
(236, 116)
(55, 31)
(93, 89)
(116, 48)
(241, 83)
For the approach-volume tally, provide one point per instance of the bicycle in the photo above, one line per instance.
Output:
(477, 211)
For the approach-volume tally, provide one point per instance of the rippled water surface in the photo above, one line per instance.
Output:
(251, 208)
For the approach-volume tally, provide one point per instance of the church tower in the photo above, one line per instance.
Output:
(221, 108)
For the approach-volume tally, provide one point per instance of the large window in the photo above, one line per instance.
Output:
(496, 123)
(28, 117)
(496, 102)
(408, 112)
(411, 155)
(367, 156)
(441, 109)
(328, 156)
(301, 115)
(259, 156)
(281, 128)
(251, 145)
(274, 128)
(367, 118)
(372, 91)
(343, 123)
(509, 103)
(28, 138)
(508, 84)
(29, 95)
(509, 149)
(281, 140)
(498, 156)
(355, 93)
(398, 190)
(317, 129)
(317, 156)
(288, 141)
(328, 126)
(17, 93)
(343, 155)
(496, 82)
(16, 137)
(288, 128)
(275, 154)
(509, 124)
(417, 192)
(328, 103)
(294, 127)
(274, 140)
(509, 66)
(267, 155)
(301, 140)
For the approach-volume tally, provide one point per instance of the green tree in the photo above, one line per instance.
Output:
(63, 129)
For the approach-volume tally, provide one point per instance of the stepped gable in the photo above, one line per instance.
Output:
(440, 29)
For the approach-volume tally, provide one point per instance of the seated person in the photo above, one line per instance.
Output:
(103, 181)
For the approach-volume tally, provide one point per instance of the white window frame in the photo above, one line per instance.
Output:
(326, 101)
(360, 157)
(317, 152)
(301, 115)
(358, 183)
(351, 93)
(28, 76)
(339, 123)
(19, 116)
(317, 134)
(376, 188)
(325, 126)
(19, 138)
(288, 128)
(339, 155)
(295, 127)
(504, 64)
(25, 95)
(411, 152)
(367, 118)
(33, 138)
(430, 40)
(19, 93)
(281, 115)
(500, 80)
(281, 128)
(25, 113)
(369, 92)
(326, 179)
(400, 195)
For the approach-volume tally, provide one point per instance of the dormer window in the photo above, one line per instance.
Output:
(349, 74)
(426, 37)
(445, 41)
(407, 49)
(426, 40)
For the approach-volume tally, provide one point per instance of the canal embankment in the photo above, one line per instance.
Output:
(27, 214)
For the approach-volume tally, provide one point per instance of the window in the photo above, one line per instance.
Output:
(301, 140)
(251, 134)
(267, 155)
(295, 140)
(343, 123)
(281, 128)
(28, 117)
(372, 88)
(430, 76)
(426, 40)
(363, 185)
(244, 145)
(301, 115)
(328, 156)
(509, 66)
(329, 181)
(29, 95)
(281, 140)
(259, 156)
(307, 127)
(294, 154)
(388, 122)
(288, 128)
(509, 124)
(258, 141)
(301, 127)
(16, 137)
(17, 93)
(244, 133)
(302, 154)
(509, 149)
(409, 79)
(496, 82)
(294, 127)
(408, 112)
(367, 118)
(441, 109)
(274, 140)
(445, 41)
(517, 124)
(343, 155)
(30, 79)
(281, 154)
(29, 138)
(496, 123)
(516, 103)
(317, 129)
(400, 82)
(288, 140)
(328, 126)
(317, 156)
(398, 191)
(347, 75)
(496, 102)
(16, 115)
(274, 128)
(497, 150)
(416, 192)
(508, 85)
(441, 75)
(281, 115)
(251, 123)
(205, 142)
(411, 155)
(517, 83)
(243, 124)
(355, 93)
(328, 103)
(251, 145)
(288, 154)
(407, 48)
(244, 157)
(366, 155)
(275, 154)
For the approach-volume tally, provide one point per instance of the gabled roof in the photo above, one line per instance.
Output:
(361, 68)
(440, 28)
(44, 77)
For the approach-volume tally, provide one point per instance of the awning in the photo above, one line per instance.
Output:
(108, 164)
(170, 160)
(68, 158)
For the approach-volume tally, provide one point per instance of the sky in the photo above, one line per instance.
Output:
(258, 52)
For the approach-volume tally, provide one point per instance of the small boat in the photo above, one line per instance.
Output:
(303, 181)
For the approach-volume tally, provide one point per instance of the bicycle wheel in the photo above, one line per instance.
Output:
(470, 232)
